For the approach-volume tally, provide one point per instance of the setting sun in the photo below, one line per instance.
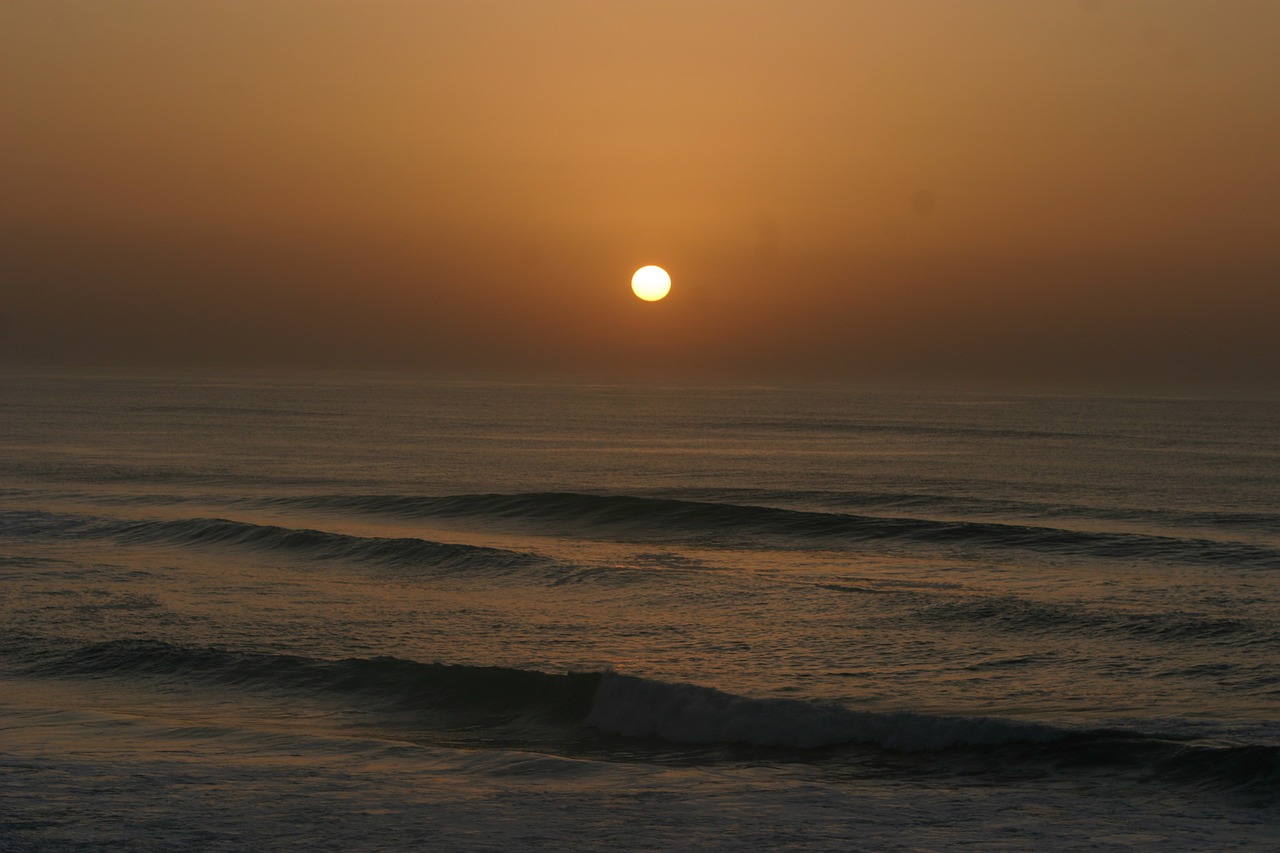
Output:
(651, 283)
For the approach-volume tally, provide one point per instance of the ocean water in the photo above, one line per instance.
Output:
(370, 612)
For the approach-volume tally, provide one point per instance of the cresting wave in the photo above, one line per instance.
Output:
(541, 711)
(716, 522)
(610, 702)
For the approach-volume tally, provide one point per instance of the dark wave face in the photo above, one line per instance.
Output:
(630, 718)
(713, 523)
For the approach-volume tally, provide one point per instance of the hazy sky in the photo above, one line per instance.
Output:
(1057, 191)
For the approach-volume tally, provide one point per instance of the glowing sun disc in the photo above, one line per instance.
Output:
(651, 283)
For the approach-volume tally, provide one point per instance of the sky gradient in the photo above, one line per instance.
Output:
(1054, 193)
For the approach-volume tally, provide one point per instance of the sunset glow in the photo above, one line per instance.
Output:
(1077, 192)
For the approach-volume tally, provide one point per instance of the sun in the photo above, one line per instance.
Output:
(651, 283)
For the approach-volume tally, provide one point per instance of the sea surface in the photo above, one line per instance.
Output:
(376, 612)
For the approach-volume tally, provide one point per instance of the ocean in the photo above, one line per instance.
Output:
(376, 612)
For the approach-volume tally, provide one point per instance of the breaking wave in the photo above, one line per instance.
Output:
(644, 717)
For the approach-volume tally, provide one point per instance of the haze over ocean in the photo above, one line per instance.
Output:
(368, 612)
(1062, 194)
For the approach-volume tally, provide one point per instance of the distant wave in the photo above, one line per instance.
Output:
(1267, 524)
(404, 552)
(399, 551)
(857, 426)
(729, 523)
(999, 510)
(1016, 614)
(20, 524)
(711, 524)
(498, 704)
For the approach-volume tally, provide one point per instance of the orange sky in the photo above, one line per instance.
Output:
(1084, 191)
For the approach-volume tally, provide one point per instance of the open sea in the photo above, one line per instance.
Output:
(375, 612)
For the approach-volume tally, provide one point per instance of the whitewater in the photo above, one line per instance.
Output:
(251, 611)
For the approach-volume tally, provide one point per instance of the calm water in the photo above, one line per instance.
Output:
(377, 613)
